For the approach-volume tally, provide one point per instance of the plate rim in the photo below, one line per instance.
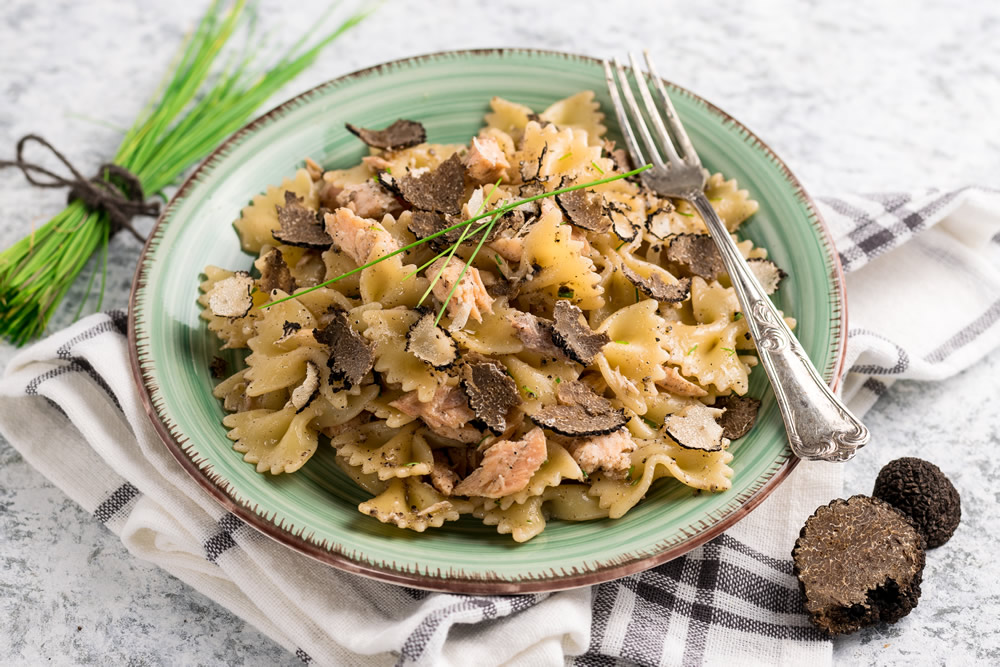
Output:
(217, 487)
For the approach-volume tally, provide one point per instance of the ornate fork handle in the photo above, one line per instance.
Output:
(819, 425)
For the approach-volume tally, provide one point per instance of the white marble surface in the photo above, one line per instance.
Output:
(854, 96)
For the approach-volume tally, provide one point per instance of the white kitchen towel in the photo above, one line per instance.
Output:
(924, 299)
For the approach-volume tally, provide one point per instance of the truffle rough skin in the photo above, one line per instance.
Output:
(300, 225)
(655, 288)
(740, 415)
(859, 562)
(401, 134)
(919, 489)
(697, 254)
(351, 356)
(275, 274)
(573, 336)
(492, 393)
(582, 414)
(442, 189)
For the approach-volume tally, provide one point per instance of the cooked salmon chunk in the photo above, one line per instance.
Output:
(469, 300)
(442, 476)
(506, 468)
(536, 334)
(485, 162)
(368, 200)
(355, 235)
(608, 452)
(448, 414)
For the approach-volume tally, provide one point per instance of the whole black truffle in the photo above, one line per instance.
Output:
(919, 489)
(859, 562)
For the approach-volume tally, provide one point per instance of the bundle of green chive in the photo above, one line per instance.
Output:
(188, 120)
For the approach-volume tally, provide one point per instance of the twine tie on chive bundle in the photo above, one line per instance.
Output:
(114, 190)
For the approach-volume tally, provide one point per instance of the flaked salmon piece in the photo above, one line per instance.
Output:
(485, 162)
(536, 334)
(470, 298)
(507, 467)
(511, 249)
(442, 476)
(677, 384)
(368, 200)
(608, 452)
(327, 193)
(448, 414)
(356, 235)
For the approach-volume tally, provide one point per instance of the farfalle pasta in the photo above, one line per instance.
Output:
(507, 330)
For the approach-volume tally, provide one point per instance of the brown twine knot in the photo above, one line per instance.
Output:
(115, 190)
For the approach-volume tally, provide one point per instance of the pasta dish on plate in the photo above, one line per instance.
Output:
(510, 329)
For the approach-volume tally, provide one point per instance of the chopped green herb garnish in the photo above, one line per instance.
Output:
(631, 469)
(601, 171)
(715, 199)
(558, 380)
(730, 350)
(637, 295)
(388, 170)
(570, 154)
(651, 424)
(737, 316)
(585, 475)
(691, 351)
(621, 342)
(499, 261)
(529, 392)
(686, 215)
(412, 463)
(634, 482)
(565, 292)
(545, 462)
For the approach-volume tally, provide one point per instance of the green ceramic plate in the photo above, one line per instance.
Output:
(314, 510)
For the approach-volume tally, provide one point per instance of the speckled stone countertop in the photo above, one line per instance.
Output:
(854, 96)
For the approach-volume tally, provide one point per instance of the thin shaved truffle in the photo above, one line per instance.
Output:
(654, 286)
(442, 189)
(535, 333)
(303, 395)
(621, 224)
(351, 355)
(573, 336)
(231, 297)
(582, 413)
(740, 415)
(401, 134)
(697, 254)
(695, 427)
(768, 274)
(430, 343)
(300, 225)
(275, 274)
(492, 393)
(585, 210)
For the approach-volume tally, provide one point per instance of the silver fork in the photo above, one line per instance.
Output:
(819, 425)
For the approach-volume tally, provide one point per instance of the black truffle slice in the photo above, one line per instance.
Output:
(351, 356)
(585, 210)
(300, 226)
(583, 413)
(288, 329)
(532, 168)
(492, 393)
(231, 297)
(573, 336)
(695, 428)
(768, 274)
(426, 223)
(430, 343)
(740, 415)
(441, 189)
(401, 134)
(859, 562)
(621, 225)
(303, 395)
(697, 254)
(275, 274)
(618, 156)
(919, 489)
(655, 288)
(218, 367)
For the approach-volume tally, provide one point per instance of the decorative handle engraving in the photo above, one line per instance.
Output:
(819, 425)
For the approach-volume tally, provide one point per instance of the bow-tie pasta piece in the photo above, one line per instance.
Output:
(233, 331)
(277, 441)
(522, 521)
(386, 452)
(412, 505)
(580, 111)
